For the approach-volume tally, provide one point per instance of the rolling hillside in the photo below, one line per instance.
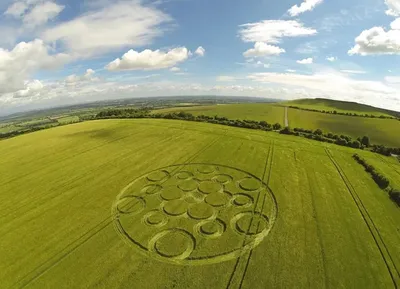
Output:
(253, 111)
(329, 105)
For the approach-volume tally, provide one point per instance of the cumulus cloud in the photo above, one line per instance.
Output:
(42, 13)
(149, 60)
(88, 76)
(290, 70)
(17, 9)
(378, 41)
(113, 26)
(200, 51)
(307, 5)
(175, 69)
(305, 61)
(25, 58)
(268, 32)
(395, 25)
(272, 31)
(263, 49)
(331, 59)
(394, 7)
(34, 13)
(32, 89)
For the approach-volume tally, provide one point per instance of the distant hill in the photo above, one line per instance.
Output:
(341, 107)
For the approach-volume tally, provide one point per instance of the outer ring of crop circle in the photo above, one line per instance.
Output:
(218, 258)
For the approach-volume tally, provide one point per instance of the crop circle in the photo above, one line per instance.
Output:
(193, 214)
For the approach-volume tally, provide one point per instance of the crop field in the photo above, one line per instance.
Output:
(339, 106)
(253, 111)
(380, 131)
(172, 204)
(68, 119)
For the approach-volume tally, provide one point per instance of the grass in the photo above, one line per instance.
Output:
(380, 131)
(340, 106)
(254, 111)
(61, 186)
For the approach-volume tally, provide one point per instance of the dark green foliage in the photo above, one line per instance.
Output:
(356, 144)
(286, 130)
(277, 126)
(395, 196)
(365, 141)
(380, 149)
(381, 180)
(318, 132)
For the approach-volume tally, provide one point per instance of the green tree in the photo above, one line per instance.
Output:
(277, 126)
(365, 141)
(318, 132)
(356, 144)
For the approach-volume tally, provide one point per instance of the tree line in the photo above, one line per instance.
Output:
(382, 181)
(345, 113)
(342, 140)
(145, 112)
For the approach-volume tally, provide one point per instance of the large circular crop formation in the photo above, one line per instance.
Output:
(195, 213)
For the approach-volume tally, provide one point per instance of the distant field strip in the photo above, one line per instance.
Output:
(391, 266)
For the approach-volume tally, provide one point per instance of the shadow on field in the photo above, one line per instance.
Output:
(98, 133)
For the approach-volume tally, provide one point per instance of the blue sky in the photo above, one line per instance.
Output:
(58, 52)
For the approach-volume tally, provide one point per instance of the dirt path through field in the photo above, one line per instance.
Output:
(286, 117)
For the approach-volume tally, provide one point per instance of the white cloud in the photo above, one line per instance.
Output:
(225, 78)
(394, 7)
(378, 41)
(34, 12)
(271, 31)
(200, 51)
(307, 5)
(290, 70)
(392, 79)
(115, 25)
(305, 61)
(32, 89)
(17, 9)
(331, 59)
(261, 64)
(24, 59)
(395, 25)
(88, 76)
(149, 60)
(348, 71)
(175, 69)
(263, 49)
(42, 13)
(327, 85)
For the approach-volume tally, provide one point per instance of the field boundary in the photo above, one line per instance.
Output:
(387, 258)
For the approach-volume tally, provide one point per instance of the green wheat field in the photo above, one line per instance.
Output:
(173, 204)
